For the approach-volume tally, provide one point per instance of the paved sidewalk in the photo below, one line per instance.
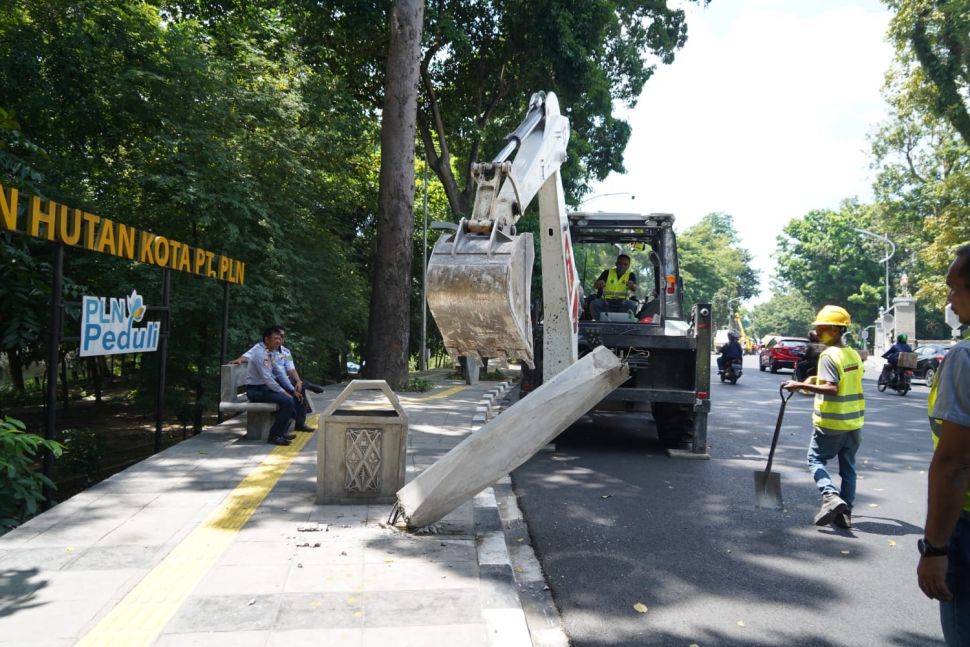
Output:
(218, 541)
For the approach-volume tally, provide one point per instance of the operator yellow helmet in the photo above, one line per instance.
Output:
(832, 316)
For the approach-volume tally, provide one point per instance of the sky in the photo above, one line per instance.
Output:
(763, 115)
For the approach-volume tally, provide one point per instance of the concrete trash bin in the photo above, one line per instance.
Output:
(361, 447)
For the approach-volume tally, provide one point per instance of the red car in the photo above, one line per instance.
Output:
(782, 352)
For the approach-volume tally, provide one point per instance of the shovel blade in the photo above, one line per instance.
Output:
(767, 490)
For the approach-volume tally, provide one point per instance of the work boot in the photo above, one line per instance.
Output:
(832, 506)
(843, 520)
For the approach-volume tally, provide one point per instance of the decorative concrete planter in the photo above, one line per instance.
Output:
(361, 448)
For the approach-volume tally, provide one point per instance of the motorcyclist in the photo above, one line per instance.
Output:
(729, 351)
(892, 355)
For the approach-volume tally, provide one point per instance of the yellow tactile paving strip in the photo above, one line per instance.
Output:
(440, 394)
(142, 614)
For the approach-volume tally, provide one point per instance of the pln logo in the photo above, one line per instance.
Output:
(136, 310)
(108, 326)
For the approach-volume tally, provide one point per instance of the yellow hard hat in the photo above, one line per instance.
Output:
(832, 316)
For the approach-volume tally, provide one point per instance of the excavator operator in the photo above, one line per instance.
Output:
(614, 286)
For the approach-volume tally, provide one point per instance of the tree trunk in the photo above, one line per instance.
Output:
(16, 370)
(388, 326)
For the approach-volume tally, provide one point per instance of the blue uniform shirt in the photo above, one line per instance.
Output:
(263, 368)
(282, 365)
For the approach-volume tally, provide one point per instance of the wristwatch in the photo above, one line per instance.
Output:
(928, 550)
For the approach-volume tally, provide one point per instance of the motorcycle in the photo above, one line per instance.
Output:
(732, 372)
(895, 378)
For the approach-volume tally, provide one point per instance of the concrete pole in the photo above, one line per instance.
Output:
(510, 439)
(423, 362)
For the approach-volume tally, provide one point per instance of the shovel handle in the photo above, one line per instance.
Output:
(781, 416)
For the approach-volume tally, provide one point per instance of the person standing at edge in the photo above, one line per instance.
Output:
(837, 418)
(944, 566)
(262, 384)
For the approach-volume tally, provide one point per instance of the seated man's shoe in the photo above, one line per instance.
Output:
(310, 386)
(843, 520)
(832, 506)
(278, 441)
(306, 428)
(289, 436)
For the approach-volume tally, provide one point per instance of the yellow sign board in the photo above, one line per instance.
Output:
(59, 223)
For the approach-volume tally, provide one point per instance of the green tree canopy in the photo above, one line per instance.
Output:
(785, 313)
(923, 177)
(482, 60)
(714, 266)
(936, 34)
(822, 257)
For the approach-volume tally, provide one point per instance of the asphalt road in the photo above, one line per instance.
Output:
(615, 522)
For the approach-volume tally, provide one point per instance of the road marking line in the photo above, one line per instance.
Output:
(142, 614)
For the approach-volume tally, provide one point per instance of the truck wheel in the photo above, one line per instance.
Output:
(774, 367)
(675, 424)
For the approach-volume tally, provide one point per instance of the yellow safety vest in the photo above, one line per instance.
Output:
(846, 410)
(616, 285)
(936, 424)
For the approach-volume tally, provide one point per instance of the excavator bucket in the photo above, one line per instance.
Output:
(478, 290)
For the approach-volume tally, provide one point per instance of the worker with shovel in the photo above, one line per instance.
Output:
(837, 418)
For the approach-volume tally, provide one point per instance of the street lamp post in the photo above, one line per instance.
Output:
(730, 312)
(890, 250)
(423, 362)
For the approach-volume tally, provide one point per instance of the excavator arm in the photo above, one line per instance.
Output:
(479, 276)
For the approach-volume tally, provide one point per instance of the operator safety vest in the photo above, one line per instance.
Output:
(615, 287)
(845, 411)
(936, 424)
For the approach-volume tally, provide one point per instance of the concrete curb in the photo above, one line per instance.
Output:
(490, 403)
(506, 547)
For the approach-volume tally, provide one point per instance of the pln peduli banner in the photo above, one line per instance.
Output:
(108, 326)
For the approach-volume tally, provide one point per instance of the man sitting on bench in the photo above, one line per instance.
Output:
(291, 382)
(614, 286)
(263, 375)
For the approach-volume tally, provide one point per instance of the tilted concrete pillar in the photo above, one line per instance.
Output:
(510, 440)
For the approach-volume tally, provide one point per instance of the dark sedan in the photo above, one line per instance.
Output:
(928, 360)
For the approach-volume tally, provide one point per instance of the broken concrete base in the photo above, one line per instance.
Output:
(511, 439)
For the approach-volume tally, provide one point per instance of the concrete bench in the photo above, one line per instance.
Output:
(259, 415)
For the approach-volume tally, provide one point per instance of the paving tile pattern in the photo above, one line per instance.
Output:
(355, 581)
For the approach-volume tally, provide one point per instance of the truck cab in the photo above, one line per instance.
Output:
(667, 349)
